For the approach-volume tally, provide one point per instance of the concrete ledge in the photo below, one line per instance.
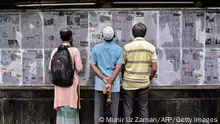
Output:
(200, 104)
(49, 87)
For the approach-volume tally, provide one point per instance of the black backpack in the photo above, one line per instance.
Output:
(62, 68)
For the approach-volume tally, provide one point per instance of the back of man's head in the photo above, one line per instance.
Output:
(66, 34)
(139, 30)
(108, 33)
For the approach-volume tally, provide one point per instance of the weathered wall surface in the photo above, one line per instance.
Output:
(186, 42)
(36, 107)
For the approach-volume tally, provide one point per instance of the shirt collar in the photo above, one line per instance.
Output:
(66, 44)
(139, 39)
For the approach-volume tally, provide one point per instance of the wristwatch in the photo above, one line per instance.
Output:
(113, 83)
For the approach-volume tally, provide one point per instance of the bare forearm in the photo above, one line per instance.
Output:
(115, 74)
(97, 71)
(152, 74)
(153, 70)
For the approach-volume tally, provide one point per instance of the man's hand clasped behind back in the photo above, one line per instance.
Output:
(106, 79)
(108, 84)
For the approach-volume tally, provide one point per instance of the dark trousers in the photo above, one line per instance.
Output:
(128, 103)
(100, 101)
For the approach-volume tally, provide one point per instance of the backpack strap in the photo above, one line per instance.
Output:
(69, 56)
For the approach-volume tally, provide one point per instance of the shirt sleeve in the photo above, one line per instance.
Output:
(93, 57)
(154, 56)
(120, 58)
(78, 61)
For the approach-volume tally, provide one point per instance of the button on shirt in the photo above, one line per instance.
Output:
(105, 56)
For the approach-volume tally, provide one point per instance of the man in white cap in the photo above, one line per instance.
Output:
(106, 61)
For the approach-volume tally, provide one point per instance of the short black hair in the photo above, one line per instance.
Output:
(139, 30)
(66, 34)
